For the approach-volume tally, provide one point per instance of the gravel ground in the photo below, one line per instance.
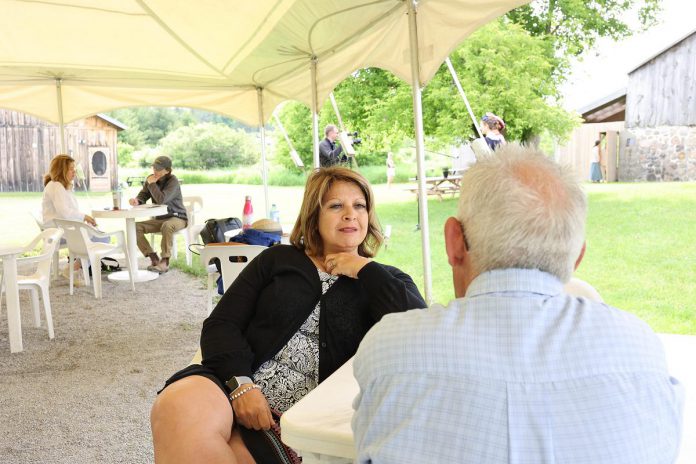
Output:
(85, 396)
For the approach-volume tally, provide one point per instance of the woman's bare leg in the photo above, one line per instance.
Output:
(192, 423)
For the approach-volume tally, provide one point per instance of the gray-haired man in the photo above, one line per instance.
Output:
(515, 370)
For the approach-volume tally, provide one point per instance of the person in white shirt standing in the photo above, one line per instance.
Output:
(515, 370)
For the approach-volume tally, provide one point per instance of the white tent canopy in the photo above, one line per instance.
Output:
(62, 60)
(212, 55)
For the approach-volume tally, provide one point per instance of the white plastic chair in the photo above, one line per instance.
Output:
(39, 222)
(193, 205)
(80, 246)
(228, 254)
(40, 278)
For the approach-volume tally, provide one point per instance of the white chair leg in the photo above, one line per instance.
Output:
(85, 269)
(187, 243)
(47, 310)
(56, 262)
(96, 279)
(35, 307)
(71, 269)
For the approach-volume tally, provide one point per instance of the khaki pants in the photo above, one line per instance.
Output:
(166, 227)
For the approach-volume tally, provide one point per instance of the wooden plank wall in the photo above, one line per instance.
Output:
(578, 150)
(662, 92)
(27, 145)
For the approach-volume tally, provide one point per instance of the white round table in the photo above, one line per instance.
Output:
(130, 215)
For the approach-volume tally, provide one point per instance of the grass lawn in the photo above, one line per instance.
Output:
(641, 238)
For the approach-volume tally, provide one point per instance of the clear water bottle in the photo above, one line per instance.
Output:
(274, 214)
(248, 213)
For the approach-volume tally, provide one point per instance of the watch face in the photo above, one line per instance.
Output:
(232, 384)
(235, 382)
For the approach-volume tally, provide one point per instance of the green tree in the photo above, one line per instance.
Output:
(297, 120)
(513, 67)
(125, 154)
(207, 146)
(504, 70)
(573, 26)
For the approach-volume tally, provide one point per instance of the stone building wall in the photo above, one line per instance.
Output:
(664, 153)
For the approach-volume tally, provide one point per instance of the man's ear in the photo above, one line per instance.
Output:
(582, 255)
(455, 243)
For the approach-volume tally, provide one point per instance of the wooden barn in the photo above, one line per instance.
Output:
(650, 127)
(27, 145)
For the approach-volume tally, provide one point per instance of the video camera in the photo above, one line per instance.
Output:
(354, 138)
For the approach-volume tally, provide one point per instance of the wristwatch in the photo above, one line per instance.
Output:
(235, 382)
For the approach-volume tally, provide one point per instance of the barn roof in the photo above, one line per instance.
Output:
(113, 121)
(663, 50)
(611, 107)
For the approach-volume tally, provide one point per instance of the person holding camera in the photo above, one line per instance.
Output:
(330, 153)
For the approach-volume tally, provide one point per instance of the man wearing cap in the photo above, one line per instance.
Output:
(164, 189)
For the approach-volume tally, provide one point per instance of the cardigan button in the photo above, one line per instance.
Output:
(323, 344)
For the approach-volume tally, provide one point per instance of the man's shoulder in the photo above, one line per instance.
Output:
(415, 326)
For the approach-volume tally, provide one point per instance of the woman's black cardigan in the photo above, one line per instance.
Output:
(276, 293)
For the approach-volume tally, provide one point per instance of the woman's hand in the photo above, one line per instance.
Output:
(252, 410)
(90, 220)
(133, 202)
(345, 264)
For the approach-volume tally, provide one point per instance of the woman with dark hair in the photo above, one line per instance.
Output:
(492, 126)
(595, 166)
(293, 316)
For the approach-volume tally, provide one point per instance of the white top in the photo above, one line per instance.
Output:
(517, 372)
(595, 154)
(59, 203)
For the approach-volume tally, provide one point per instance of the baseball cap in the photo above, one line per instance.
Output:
(162, 162)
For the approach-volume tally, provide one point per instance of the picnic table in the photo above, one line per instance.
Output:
(137, 180)
(439, 185)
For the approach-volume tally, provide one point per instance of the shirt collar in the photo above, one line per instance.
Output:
(515, 280)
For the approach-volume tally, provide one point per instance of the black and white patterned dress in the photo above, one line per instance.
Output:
(294, 370)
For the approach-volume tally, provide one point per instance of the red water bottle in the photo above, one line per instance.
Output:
(248, 213)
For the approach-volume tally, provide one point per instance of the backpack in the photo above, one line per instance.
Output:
(214, 229)
(257, 237)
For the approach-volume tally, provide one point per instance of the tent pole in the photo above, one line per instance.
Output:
(61, 122)
(338, 113)
(463, 95)
(420, 145)
(315, 112)
(293, 153)
(264, 171)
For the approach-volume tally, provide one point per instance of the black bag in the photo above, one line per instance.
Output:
(107, 265)
(214, 229)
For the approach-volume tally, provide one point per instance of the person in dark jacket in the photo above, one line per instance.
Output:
(164, 189)
(329, 153)
(294, 315)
